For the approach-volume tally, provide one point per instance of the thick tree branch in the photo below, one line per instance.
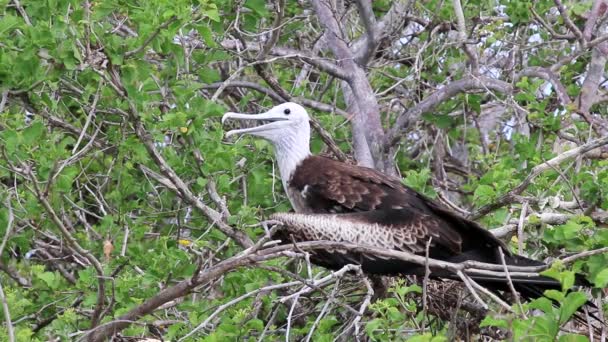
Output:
(366, 120)
(369, 22)
(388, 26)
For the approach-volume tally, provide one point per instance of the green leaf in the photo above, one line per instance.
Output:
(258, 6)
(490, 321)
(573, 338)
(571, 303)
(601, 279)
(48, 278)
(33, 133)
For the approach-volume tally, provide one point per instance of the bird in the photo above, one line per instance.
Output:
(340, 202)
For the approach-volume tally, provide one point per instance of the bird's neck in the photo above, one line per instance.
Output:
(291, 150)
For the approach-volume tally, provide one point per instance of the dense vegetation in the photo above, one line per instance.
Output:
(125, 212)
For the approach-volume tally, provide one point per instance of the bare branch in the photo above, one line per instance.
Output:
(537, 170)
(321, 63)
(369, 21)
(568, 21)
(366, 120)
(462, 36)
(7, 315)
(430, 102)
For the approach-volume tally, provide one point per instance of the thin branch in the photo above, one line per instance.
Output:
(230, 303)
(510, 282)
(7, 315)
(462, 37)
(9, 223)
(323, 64)
(537, 170)
(22, 12)
(180, 187)
(151, 37)
(568, 21)
(439, 96)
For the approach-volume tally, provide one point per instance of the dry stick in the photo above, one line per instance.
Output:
(425, 283)
(293, 306)
(537, 170)
(7, 313)
(22, 12)
(307, 282)
(520, 228)
(366, 301)
(467, 283)
(585, 254)
(73, 243)
(490, 294)
(328, 301)
(462, 36)
(3, 100)
(510, 282)
(228, 304)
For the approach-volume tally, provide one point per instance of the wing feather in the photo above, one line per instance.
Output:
(335, 187)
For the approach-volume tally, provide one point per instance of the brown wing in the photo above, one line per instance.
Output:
(329, 186)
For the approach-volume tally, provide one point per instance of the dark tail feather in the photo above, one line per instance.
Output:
(534, 287)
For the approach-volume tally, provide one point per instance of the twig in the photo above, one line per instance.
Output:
(425, 283)
(7, 315)
(151, 37)
(568, 21)
(537, 170)
(520, 228)
(328, 301)
(9, 223)
(291, 309)
(462, 37)
(510, 282)
(366, 301)
(491, 295)
(228, 304)
(572, 258)
(22, 12)
(468, 283)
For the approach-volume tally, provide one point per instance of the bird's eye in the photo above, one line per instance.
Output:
(287, 111)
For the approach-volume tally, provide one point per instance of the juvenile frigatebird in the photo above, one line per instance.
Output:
(340, 202)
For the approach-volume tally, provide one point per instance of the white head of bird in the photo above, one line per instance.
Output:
(287, 127)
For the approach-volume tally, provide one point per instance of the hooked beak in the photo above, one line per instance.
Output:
(275, 122)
